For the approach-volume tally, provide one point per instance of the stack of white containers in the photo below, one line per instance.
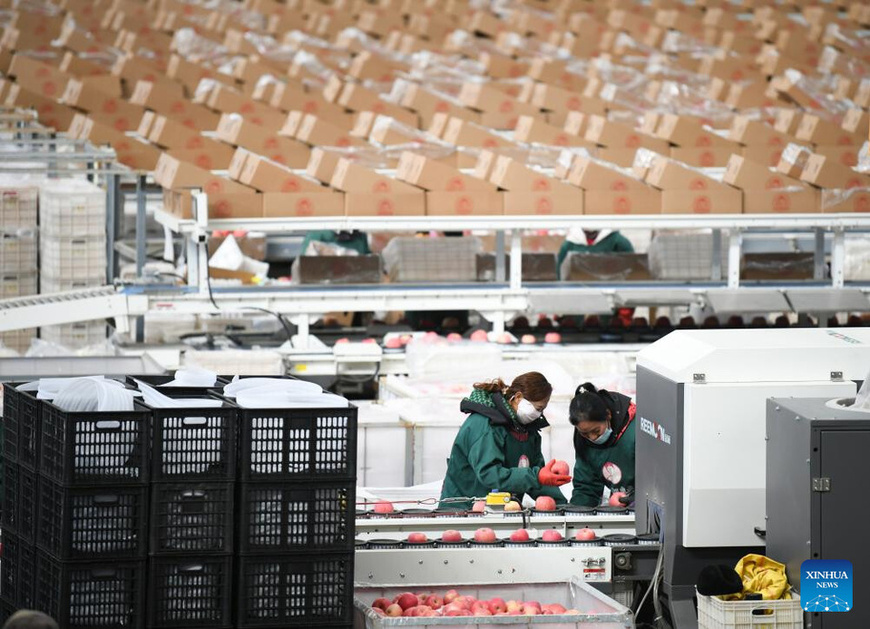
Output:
(18, 270)
(72, 251)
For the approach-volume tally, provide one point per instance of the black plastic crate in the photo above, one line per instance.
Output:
(298, 444)
(192, 517)
(20, 495)
(20, 427)
(159, 382)
(295, 590)
(288, 517)
(190, 591)
(108, 594)
(194, 443)
(92, 522)
(94, 448)
(17, 571)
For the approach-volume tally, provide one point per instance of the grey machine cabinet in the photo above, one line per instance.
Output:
(810, 439)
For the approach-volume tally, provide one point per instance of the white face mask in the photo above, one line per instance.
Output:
(526, 412)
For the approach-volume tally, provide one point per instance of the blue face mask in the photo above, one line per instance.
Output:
(603, 438)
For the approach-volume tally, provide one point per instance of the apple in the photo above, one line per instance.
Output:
(393, 343)
(517, 612)
(369, 341)
(561, 467)
(614, 499)
(497, 605)
(383, 506)
(532, 610)
(382, 603)
(554, 608)
(485, 535)
(552, 535)
(478, 507)
(482, 612)
(341, 341)
(407, 600)
(479, 335)
(572, 612)
(410, 612)
(512, 606)
(513, 505)
(405, 339)
(545, 503)
(451, 536)
(379, 611)
(528, 339)
(453, 337)
(417, 538)
(552, 337)
(394, 610)
(585, 534)
(450, 596)
(520, 535)
(434, 601)
(423, 610)
(481, 605)
(454, 611)
(505, 338)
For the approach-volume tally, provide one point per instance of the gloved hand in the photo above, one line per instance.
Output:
(548, 478)
(628, 498)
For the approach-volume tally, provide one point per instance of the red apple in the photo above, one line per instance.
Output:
(516, 612)
(554, 608)
(482, 612)
(552, 535)
(451, 536)
(369, 341)
(379, 611)
(512, 606)
(520, 535)
(513, 505)
(529, 610)
(450, 596)
(585, 534)
(478, 507)
(434, 601)
(497, 605)
(393, 343)
(553, 337)
(505, 338)
(614, 499)
(405, 339)
(479, 335)
(561, 467)
(453, 337)
(480, 605)
(381, 603)
(417, 538)
(572, 612)
(486, 535)
(545, 503)
(383, 506)
(394, 610)
(407, 600)
(528, 339)
(342, 341)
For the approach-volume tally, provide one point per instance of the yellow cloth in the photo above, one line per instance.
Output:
(761, 575)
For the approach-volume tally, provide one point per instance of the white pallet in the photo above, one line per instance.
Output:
(714, 613)
(18, 340)
(18, 252)
(684, 255)
(74, 335)
(17, 285)
(69, 208)
(432, 259)
(18, 207)
(72, 258)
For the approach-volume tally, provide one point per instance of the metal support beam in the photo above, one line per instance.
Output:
(735, 240)
(113, 227)
(141, 251)
(838, 258)
(819, 254)
(516, 259)
(717, 255)
(499, 256)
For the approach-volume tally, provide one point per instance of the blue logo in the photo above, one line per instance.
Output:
(826, 585)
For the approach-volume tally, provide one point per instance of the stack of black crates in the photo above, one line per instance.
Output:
(201, 516)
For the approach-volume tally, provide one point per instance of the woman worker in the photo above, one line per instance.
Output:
(603, 444)
(498, 446)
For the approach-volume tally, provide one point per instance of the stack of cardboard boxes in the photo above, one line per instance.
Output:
(178, 89)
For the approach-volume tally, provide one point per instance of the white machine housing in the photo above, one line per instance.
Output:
(724, 378)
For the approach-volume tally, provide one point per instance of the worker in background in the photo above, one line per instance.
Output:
(596, 241)
(603, 444)
(498, 446)
(27, 619)
(355, 240)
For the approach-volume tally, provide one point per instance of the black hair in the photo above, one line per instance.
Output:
(28, 619)
(588, 405)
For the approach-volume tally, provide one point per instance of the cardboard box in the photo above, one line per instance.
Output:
(856, 121)
(427, 104)
(510, 174)
(355, 97)
(784, 201)
(601, 131)
(235, 204)
(290, 97)
(154, 96)
(96, 101)
(685, 191)
(756, 133)
(841, 201)
(173, 173)
(551, 98)
(51, 113)
(432, 175)
(351, 177)
(469, 203)
(233, 129)
(793, 160)
(484, 97)
(702, 157)
(266, 176)
(237, 163)
(303, 204)
(316, 132)
(463, 133)
(537, 267)
(819, 131)
(321, 165)
(824, 172)
(333, 270)
(687, 132)
(605, 267)
(385, 204)
(567, 200)
(787, 120)
(222, 98)
(646, 200)
(591, 174)
(845, 155)
(746, 174)
(767, 155)
(531, 129)
(620, 157)
(38, 77)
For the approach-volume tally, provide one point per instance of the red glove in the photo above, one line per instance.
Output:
(547, 477)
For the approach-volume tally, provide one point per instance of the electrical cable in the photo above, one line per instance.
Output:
(651, 583)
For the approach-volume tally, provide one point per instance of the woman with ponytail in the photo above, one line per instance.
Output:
(603, 444)
(499, 445)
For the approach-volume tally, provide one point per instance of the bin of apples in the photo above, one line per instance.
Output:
(452, 603)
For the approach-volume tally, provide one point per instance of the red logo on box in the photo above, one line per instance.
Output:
(541, 184)
(442, 106)
(703, 141)
(490, 143)
(848, 158)
(381, 186)
(632, 141)
(290, 185)
(203, 161)
(781, 203)
(214, 186)
(385, 208)
(773, 183)
(246, 108)
(707, 158)
(574, 103)
(862, 203)
(194, 143)
(464, 205)
(456, 184)
(279, 157)
(506, 107)
(697, 184)
(310, 107)
(619, 186)
(561, 140)
(621, 205)
(701, 205)
(177, 107)
(379, 108)
(49, 88)
(110, 106)
(121, 124)
(304, 207)
(271, 143)
(544, 206)
(853, 183)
